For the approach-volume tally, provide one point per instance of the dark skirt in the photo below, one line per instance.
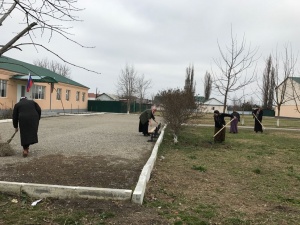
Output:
(233, 126)
(220, 137)
(257, 126)
(144, 127)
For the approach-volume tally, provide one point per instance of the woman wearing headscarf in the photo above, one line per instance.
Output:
(145, 120)
(219, 124)
(26, 117)
(258, 116)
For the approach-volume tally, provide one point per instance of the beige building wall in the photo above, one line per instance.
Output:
(289, 107)
(10, 100)
(50, 101)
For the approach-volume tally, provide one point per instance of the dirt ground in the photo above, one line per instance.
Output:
(96, 171)
(83, 171)
(92, 172)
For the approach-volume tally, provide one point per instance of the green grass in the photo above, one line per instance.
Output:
(268, 122)
(252, 178)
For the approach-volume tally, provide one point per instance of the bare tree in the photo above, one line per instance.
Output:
(56, 67)
(127, 84)
(44, 16)
(142, 87)
(189, 80)
(177, 107)
(268, 86)
(234, 62)
(282, 95)
(207, 85)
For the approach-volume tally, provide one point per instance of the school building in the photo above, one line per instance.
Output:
(53, 92)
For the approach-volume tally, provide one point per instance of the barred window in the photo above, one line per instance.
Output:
(38, 92)
(83, 96)
(58, 94)
(68, 95)
(3, 87)
(77, 95)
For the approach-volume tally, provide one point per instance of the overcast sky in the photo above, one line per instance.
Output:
(161, 38)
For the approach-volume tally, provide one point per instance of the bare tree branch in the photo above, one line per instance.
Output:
(56, 67)
(46, 15)
(142, 87)
(236, 60)
(127, 84)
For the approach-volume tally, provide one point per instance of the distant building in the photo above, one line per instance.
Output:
(91, 96)
(213, 104)
(107, 97)
(291, 103)
(50, 90)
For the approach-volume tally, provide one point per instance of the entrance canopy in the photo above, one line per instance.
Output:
(38, 79)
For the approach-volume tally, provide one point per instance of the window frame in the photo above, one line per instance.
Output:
(58, 94)
(77, 95)
(3, 88)
(68, 94)
(38, 91)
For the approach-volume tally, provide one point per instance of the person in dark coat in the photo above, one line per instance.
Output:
(26, 117)
(258, 116)
(234, 123)
(219, 124)
(145, 120)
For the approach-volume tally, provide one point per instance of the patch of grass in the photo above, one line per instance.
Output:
(191, 219)
(199, 168)
(257, 171)
(205, 211)
(235, 221)
(289, 200)
(105, 215)
(246, 175)
(192, 157)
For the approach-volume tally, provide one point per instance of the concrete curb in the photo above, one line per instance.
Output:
(59, 191)
(6, 121)
(139, 192)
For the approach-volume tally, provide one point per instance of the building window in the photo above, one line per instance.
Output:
(58, 94)
(83, 96)
(38, 92)
(3, 86)
(77, 95)
(68, 95)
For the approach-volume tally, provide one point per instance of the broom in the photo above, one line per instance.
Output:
(5, 149)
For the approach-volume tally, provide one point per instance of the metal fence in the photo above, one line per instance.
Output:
(115, 106)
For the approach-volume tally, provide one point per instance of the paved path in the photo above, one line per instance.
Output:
(101, 134)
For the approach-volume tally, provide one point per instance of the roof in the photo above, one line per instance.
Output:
(112, 96)
(213, 101)
(200, 99)
(40, 79)
(23, 68)
(91, 95)
(297, 79)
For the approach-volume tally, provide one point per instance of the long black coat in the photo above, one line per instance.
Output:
(144, 120)
(26, 116)
(257, 122)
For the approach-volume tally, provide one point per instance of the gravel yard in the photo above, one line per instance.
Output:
(102, 150)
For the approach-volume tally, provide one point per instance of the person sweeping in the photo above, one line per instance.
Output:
(258, 116)
(26, 116)
(145, 120)
(220, 128)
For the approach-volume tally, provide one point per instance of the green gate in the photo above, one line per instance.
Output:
(115, 106)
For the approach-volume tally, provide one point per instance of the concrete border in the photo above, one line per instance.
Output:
(139, 192)
(60, 191)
